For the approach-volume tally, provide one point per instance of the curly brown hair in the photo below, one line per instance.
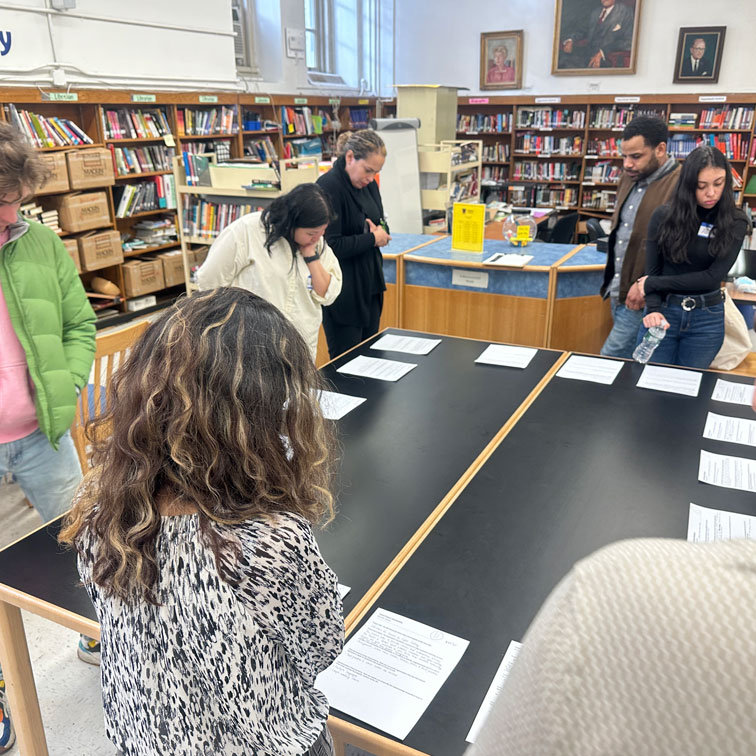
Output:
(216, 409)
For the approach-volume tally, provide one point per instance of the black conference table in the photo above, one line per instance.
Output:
(405, 450)
(585, 465)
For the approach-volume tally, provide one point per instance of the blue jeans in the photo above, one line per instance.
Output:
(623, 337)
(692, 339)
(49, 478)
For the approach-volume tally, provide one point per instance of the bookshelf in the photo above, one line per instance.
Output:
(204, 211)
(543, 133)
(449, 172)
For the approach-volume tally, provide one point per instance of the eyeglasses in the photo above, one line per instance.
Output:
(699, 48)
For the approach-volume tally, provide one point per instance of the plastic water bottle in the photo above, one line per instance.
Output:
(651, 340)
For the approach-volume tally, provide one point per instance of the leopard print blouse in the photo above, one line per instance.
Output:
(215, 669)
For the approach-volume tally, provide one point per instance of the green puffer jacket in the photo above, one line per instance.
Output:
(53, 320)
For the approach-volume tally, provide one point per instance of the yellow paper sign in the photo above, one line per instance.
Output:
(523, 233)
(467, 227)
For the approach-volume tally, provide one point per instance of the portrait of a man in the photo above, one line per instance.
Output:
(699, 54)
(501, 60)
(595, 36)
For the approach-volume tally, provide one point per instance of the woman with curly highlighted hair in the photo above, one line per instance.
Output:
(194, 540)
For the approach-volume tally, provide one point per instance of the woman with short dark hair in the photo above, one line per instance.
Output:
(692, 243)
(280, 254)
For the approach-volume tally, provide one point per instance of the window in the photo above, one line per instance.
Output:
(341, 39)
(318, 35)
(242, 15)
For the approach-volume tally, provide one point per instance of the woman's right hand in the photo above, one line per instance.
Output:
(655, 319)
(379, 232)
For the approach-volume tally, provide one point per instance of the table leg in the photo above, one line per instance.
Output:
(19, 683)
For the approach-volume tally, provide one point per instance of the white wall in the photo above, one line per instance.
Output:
(442, 46)
(198, 56)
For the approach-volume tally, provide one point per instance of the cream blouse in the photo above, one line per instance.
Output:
(238, 258)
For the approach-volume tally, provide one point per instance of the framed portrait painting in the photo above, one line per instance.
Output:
(501, 60)
(699, 54)
(595, 37)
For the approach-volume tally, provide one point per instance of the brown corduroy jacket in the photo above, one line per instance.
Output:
(634, 262)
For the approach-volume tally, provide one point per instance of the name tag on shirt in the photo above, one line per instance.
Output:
(705, 230)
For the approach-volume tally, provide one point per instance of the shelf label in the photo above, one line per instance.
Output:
(60, 96)
(712, 98)
(478, 101)
(627, 99)
(363, 102)
(259, 100)
(143, 98)
(547, 100)
(334, 101)
(208, 98)
(300, 101)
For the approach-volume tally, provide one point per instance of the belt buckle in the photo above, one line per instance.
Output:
(688, 304)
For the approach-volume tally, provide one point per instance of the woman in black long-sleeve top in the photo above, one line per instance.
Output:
(355, 236)
(692, 244)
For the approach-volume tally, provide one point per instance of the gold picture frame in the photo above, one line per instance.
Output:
(595, 37)
(501, 60)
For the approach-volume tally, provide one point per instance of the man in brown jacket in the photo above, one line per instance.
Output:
(649, 178)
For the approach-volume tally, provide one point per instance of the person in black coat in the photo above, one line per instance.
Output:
(355, 236)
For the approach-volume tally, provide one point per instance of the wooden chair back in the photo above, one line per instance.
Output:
(110, 351)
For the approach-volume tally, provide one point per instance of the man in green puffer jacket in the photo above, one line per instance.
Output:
(47, 344)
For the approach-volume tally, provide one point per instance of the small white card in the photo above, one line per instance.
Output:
(706, 525)
(494, 689)
(734, 393)
(671, 380)
(736, 430)
(407, 344)
(335, 406)
(726, 471)
(507, 356)
(476, 279)
(390, 670)
(374, 367)
(594, 369)
(344, 591)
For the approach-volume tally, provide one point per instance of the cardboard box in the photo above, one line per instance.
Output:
(99, 250)
(56, 164)
(173, 267)
(142, 276)
(198, 256)
(82, 212)
(89, 168)
(72, 247)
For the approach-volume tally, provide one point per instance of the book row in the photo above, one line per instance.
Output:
(540, 196)
(602, 173)
(550, 118)
(541, 171)
(205, 220)
(145, 196)
(302, 121)
(538, 144)
(134, 160)
(206, 122)
(496, 153)
(484, 123)
(618, 117)
(46, 132)
(130, 123)
(733, 147)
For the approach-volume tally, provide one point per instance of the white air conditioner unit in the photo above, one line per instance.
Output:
(320, 79)
(243, 53)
